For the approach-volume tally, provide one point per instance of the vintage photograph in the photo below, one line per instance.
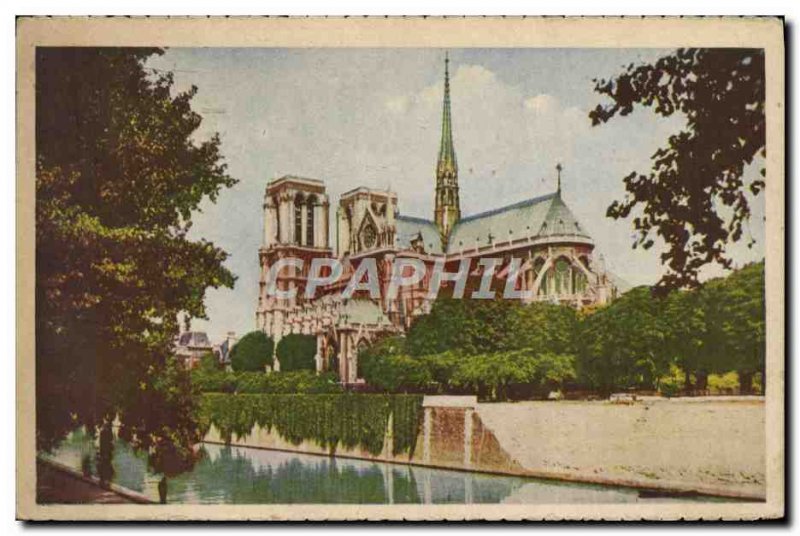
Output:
(492, 279)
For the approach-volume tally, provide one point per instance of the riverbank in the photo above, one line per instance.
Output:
(674, 446)
(709, 446)
(58, 484)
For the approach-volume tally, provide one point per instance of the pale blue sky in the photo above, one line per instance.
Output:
(371, 117)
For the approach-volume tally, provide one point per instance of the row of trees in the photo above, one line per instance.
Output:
(638, 342)
(253, 353)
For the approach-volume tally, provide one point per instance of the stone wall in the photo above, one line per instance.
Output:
(713, 446)
(452, 435)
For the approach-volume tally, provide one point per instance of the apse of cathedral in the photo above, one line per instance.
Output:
(550, 252)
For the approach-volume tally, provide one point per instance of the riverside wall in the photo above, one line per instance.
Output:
(685, 446)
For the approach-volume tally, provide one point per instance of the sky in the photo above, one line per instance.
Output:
(372, 117)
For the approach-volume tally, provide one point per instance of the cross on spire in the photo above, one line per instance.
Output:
(558, 170)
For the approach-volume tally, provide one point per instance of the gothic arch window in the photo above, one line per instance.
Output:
(579, 281)
(298, 219)
(310, 202)
(563, 276)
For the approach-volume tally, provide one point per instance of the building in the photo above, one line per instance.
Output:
(553, 252)
(222, 351)
(191, 346)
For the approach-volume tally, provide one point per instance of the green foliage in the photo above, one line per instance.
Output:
(670, 385)
(119, 172)
(492, 374)
(686, 335)
(639, 341)
(406, 413)
(485, 326)
(296, 352)
(696, 195)
(170, 441)
(350, 420)
(252, 353)
(209, 363)
(441, 330)
(294, 382)
(736, 323)
(543, 328)
(386, 366)
(623, 345)
(723, 384)
(712, 330)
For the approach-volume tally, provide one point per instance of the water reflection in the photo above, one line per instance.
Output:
(237, 475)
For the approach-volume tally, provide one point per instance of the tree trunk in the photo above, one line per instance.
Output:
(745, 383)
(105, 454)
(702, 380)
(687, 382)
(162, 490)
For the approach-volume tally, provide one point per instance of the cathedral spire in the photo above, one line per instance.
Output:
(448, 205)
(447, 153)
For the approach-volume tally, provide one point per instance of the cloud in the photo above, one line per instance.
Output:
(541, 104)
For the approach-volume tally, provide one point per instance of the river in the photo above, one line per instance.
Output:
(240, 475)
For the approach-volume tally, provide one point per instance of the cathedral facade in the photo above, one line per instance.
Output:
(537, 243)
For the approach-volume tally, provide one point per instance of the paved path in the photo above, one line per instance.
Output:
(713, 446)
(56, 486)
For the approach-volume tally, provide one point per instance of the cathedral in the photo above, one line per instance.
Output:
(551, 252)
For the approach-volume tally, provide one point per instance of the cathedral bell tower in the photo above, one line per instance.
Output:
(447, 209)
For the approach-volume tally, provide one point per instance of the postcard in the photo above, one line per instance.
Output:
(400, 268)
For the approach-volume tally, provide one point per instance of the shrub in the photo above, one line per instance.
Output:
(296, 352)
(252, 353)
(209, 362)
(671, 384)
(723, 384)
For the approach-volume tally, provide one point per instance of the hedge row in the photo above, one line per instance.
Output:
(352, 420)
(296, 382)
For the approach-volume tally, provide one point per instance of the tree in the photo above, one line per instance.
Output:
(686, 330)
(386, 366)
(209, 363)
(623, 345)
(252, 353)
(119, 173)
(696, 195)
(439, 331)
(296, 352)
(542, 327)
(486, 326)
(736, 319)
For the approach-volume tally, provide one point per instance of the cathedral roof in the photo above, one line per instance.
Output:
(408, 228)
(539, 217)
(546, 216)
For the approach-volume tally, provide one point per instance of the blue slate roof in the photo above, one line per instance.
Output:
(408, 228)
(546, 216)
(543, 216)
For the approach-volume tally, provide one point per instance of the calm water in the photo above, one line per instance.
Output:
(239, 475)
